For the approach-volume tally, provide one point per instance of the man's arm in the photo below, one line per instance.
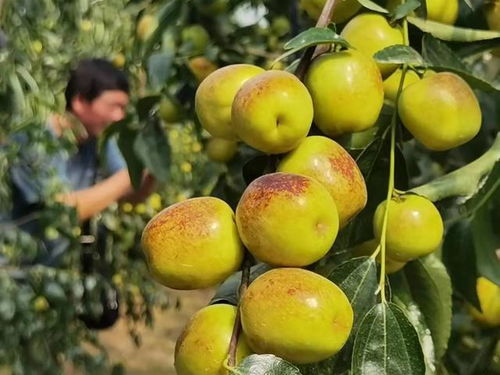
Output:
(148, 186)
(96, 198)
(90, 201)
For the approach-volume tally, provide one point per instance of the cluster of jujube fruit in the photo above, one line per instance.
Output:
(290, 219)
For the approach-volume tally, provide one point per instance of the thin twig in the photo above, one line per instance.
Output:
(311, 52)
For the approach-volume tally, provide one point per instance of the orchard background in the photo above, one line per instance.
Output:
(167, 47)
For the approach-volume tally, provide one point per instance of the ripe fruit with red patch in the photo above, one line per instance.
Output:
(286, 219)
(326, 161)
(295, 314)
(193, 244)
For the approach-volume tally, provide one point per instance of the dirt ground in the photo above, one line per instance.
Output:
(156, 354)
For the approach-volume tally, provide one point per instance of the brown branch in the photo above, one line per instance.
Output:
(233, 344)
(311, 52)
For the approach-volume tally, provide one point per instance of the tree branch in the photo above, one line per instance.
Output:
(463, 181)
(311, 52)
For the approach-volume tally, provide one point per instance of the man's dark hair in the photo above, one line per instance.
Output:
(92, 77)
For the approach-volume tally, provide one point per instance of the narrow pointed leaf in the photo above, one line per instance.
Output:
(314, 36)
(152, 147)
(358, 280)
(159, 68)
(452, 33)
(404, 9)
(309, 38)
(402, 296)
(399, 54)
(373, 6)
(430, 286)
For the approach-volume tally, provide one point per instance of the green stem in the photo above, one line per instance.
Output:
(390, 191)
(464, 181)
(392, 168)
(233, 344)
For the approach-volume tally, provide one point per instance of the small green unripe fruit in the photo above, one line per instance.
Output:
(287, 219)
(370, 33)
(203, 346)
(169, 110)
(347, 92)
(440, 111)
(280, 26)
(146, 26)
(414, 227)
(221, 150)
(195, 38)
(295, 314)
(193, 244)
(40, 304)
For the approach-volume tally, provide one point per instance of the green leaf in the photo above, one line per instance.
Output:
(399, 54)
(312, 37)
(159, 65)
(430, 286)
(153, 149)
(402, 10)
(401, 296)
(258, 166)
(486, 191)
(469, 49)
(486, 239)
(167, 17)
(387, 343)
(442, 59)
(469, 4)
(266, 364)
(460, 260)
(126, 140)
(452, 33)
(436, 52)
(145, 106)
(358, 280)
(373, 6)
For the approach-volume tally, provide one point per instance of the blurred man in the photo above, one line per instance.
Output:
(97, 96)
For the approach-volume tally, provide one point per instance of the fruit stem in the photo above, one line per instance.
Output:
(390, 186)
(245, 281)
(465, 181)
(311, 52)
